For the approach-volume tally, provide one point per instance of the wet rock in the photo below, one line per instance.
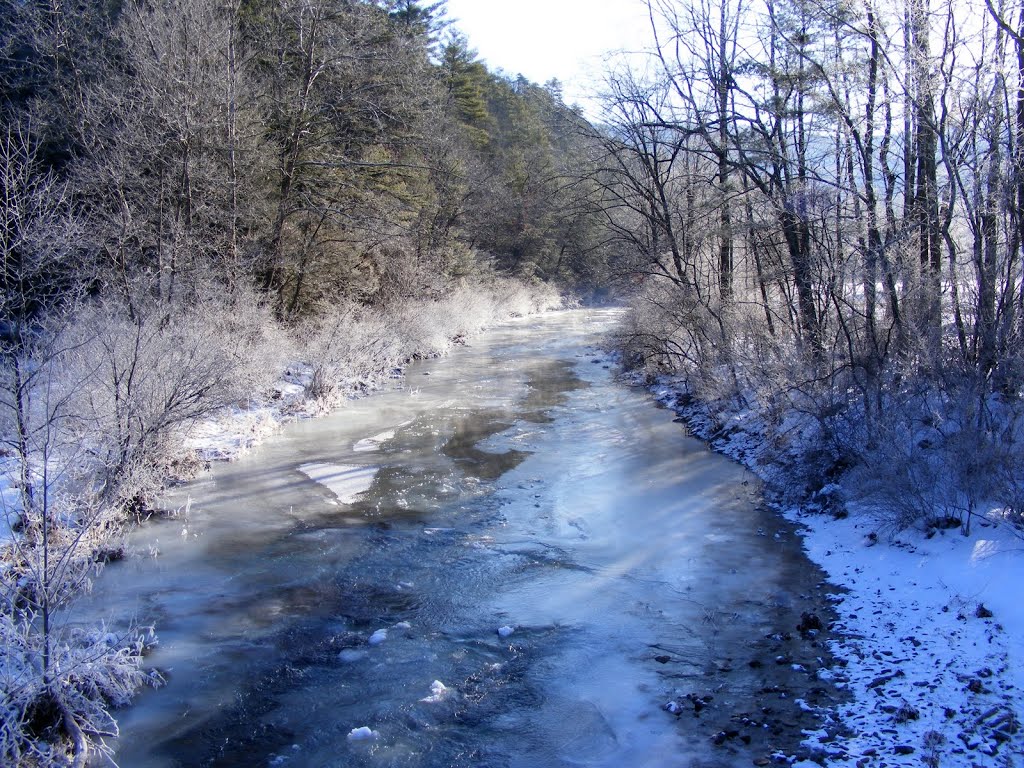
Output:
(723, 736)
(809, 623)
(698, 702)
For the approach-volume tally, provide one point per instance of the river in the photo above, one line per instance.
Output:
(512, 559)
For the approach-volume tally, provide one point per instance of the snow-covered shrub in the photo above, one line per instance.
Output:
(58, 689)
(519, 298)
(145, 373)
(937, 461)
(426, 328)
(347, 346)
(57, 681)
(350, 345)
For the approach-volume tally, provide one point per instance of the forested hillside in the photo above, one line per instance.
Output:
(194, 195)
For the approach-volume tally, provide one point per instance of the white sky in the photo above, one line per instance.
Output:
(541, 39)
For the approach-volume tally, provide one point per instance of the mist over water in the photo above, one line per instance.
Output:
(325, 582)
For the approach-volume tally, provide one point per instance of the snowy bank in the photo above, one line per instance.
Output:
(930, 634)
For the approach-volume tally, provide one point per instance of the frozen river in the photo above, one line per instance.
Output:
(514, 560)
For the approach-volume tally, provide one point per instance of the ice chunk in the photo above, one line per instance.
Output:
(378, 637)
(373, 443)
(351, 655)
(363, 733)
(344, 481)
(505, 631)
(438, 692)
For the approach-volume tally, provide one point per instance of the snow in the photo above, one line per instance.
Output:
(343, 480)
(920, 654)
(9, 500)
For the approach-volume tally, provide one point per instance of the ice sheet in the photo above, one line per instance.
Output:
(343, 480)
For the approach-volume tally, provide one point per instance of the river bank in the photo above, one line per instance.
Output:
(928, 630)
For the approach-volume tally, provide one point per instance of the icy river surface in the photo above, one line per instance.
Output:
(514, 559)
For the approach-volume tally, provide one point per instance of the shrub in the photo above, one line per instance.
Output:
(141, 374)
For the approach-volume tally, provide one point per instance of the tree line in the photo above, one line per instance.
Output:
(312, 149)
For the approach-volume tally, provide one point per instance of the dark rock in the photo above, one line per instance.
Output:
(663, 659)
(883, 679)
(906, 713)
(949, 713)
(982, 612)
(903, 749)
(809, 622)
(109, 555)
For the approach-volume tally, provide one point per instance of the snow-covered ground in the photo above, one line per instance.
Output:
(929, 634)
(234, 431)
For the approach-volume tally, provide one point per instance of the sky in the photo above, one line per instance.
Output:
(542, 39)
